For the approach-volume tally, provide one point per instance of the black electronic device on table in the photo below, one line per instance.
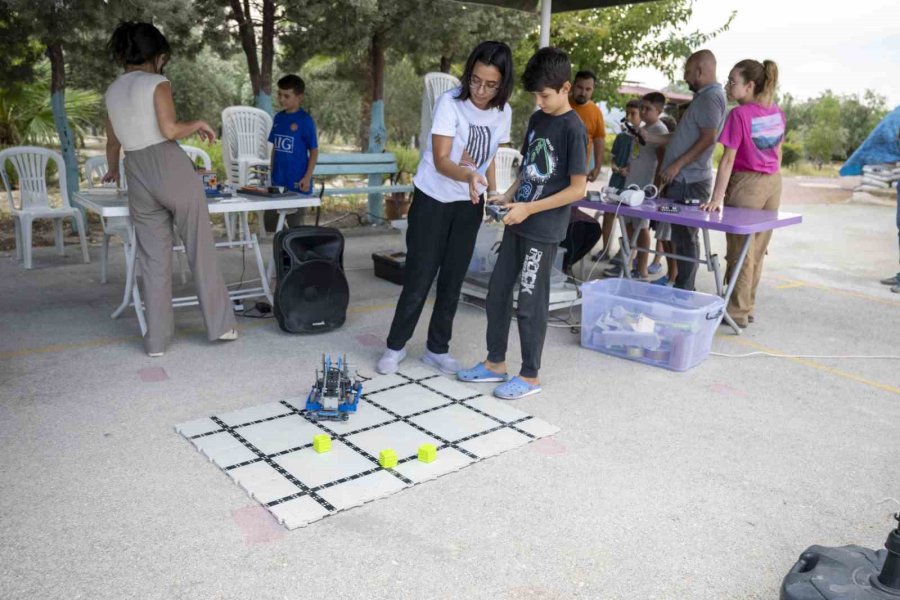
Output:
(267, 192)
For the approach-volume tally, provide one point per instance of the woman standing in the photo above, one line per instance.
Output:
(162, 184)
(749, 173)
(457, 167)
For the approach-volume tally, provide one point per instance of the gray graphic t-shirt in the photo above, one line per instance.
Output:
(554, 149)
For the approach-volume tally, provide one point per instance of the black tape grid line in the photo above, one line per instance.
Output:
(281, 471)
(461, 401)
(304, 490)
(312, 492)
(247, 424)
(397, 418)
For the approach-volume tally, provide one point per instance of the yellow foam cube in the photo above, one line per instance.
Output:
(387, 458)
(427, 453)
(321, 443)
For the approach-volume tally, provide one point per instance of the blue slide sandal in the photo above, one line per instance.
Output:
(515, 389)
(481, 374)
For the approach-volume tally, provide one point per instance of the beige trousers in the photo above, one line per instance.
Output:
(163, 188)
(749, 190)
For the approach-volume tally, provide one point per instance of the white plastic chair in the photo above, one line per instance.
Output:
(435, 84)
(245, 145)
(95, 167)
(31, 164)
(195, 154)
(506, 164)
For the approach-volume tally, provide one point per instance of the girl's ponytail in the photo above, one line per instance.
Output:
(767, 93)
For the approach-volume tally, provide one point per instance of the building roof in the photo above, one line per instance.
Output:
(671, 96)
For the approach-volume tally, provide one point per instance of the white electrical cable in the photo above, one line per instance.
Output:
(774, 355)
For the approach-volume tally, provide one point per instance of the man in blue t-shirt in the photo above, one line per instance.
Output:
(295, 147)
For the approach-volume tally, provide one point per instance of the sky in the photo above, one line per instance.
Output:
(818, 45)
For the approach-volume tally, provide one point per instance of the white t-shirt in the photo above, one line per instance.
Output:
(476, 136)
(129, 103)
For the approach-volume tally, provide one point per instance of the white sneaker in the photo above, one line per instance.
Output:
(229, 335)
(390, 360)
(442, 362)
(155, 354)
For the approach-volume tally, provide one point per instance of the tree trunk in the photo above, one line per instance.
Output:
(60, 119)
(247, 35)
(377, 130)
(264, 96)
(445, 63)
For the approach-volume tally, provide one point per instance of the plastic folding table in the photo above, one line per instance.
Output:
(112, 203)
(740, 221)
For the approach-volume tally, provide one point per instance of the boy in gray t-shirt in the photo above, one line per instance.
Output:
(642, 172)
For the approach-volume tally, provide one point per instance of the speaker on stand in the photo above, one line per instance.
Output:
(312, 292)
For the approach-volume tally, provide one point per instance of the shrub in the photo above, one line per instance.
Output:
(790, 154)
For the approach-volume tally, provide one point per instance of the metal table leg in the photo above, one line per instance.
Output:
(130, 247)
(260, 264)
(732, 281)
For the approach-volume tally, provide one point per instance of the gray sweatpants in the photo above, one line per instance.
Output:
(525, 263)
(162, 188)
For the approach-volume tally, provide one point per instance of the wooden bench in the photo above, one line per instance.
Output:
(376, 165)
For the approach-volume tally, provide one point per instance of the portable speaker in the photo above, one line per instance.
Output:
(312, 292)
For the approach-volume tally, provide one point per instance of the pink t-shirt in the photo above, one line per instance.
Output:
(756, 133)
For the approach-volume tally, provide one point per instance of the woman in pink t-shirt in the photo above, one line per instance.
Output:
(749, 174)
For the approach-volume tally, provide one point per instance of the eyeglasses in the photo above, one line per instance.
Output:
(476, 83)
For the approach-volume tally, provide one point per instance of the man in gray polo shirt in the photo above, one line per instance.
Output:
(686, 169)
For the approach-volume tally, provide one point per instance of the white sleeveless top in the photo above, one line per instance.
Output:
(129, 103)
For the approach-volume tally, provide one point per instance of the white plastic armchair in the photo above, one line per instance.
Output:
(195, 154)
(95, 167)
(506, 164)
(435, 85)
(30, 164)
(245, 145)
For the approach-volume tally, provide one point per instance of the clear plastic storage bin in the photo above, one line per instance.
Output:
(653, 324)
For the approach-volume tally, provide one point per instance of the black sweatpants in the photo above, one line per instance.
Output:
(440, 239)
(685, 240)
(526, 263)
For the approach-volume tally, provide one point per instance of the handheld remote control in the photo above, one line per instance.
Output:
(633, 131)
(496, 211)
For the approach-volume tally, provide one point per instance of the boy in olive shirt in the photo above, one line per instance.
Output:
(552, 176)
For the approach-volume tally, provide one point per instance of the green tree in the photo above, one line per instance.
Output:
(203, 85)
(26, 116)
(609, 41)
(18, 47)
(859, 116)
(61, 24)
(825, 137)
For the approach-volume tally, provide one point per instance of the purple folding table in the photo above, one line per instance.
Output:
(741, 221)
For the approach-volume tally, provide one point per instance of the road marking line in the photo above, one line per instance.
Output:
(810, 363)
(793, 283)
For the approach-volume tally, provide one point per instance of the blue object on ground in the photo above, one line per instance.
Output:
(480, 374)
(516, 388)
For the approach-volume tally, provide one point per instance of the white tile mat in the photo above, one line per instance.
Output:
(267, 449)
